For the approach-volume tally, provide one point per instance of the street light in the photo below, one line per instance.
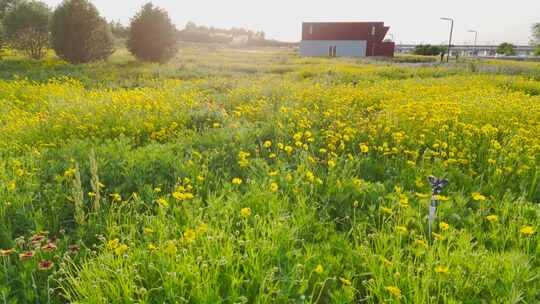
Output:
(475, 39)
(451, 32)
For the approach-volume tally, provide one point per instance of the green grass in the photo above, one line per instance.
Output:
(127, 168)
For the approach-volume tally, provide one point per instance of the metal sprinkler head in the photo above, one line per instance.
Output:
(437, 184)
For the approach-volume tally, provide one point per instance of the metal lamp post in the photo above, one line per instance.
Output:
(475, 39)
(451, 32)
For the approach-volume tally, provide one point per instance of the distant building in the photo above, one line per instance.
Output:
(345, 39)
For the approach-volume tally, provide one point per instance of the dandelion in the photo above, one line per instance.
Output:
(112, 244)
(121, 249)
(331, 163)
(236, 181)
(203, 228)
(162, 202)
(441, 269)
(444, 226)
(492, 218)
(386, 210)
(45, 265)
(364, 148)
(274, 187)
(116, 197)
(288, 149)
(421, 243)
(402, 230)
(527, 230)
(319, 269)
(267, 144)
(152, 247)
(438, 237)
(394, 291)
(441, 198)
(11, 186)
(70, 172)
(245, 212)
(170, 248)
(190, 235)
(478, 197)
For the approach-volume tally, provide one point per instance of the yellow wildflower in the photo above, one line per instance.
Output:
(441, 269)
(527, 230)
(237, 181)
(190, 235)
(267, 144)
(319, 269)
(364, 148)
(492, 218)
(121, 249)
(444, 226)
(274, 187)
(245, 212)
(478, 197)
(344, 281)
(393, 290)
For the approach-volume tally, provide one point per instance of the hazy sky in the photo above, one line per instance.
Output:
(412, 21)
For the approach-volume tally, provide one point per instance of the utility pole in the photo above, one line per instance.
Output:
(451, 32)
(475, 39)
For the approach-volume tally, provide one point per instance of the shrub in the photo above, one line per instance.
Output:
(152, 36)
(429, 50)
(27, 28)
(537, 51)
(79, 33)
(506, 49)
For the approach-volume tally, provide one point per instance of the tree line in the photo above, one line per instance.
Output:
(78, 33)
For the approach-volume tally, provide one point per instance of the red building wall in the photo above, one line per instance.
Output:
(372, 32)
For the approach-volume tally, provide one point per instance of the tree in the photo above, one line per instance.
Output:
(27, 28)
(79, 33)
(5, 6)
(536, 34)
(1, 39)
(428, 50)
(118, 30)
(506, 49)
(152, 36)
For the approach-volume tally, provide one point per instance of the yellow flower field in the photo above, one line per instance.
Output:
(262, 177)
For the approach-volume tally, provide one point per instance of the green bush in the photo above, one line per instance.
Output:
(152, 36)
(429, 50)
(79, 33)
(27, 28)
(537, 51)
(506, 49)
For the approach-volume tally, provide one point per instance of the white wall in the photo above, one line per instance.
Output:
(344, 48)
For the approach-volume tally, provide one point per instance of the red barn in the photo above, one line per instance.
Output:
(345, 39)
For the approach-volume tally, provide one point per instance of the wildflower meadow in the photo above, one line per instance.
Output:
(258, 176)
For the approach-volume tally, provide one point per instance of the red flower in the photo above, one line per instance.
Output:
(37, 238)
(6, 252)
(26, 255)
(49, 247)
(45, 265)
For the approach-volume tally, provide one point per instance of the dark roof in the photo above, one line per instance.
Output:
(344, 31)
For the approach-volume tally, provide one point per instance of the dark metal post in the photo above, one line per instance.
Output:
(437, 186)
(475, 52)
(449, 40)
